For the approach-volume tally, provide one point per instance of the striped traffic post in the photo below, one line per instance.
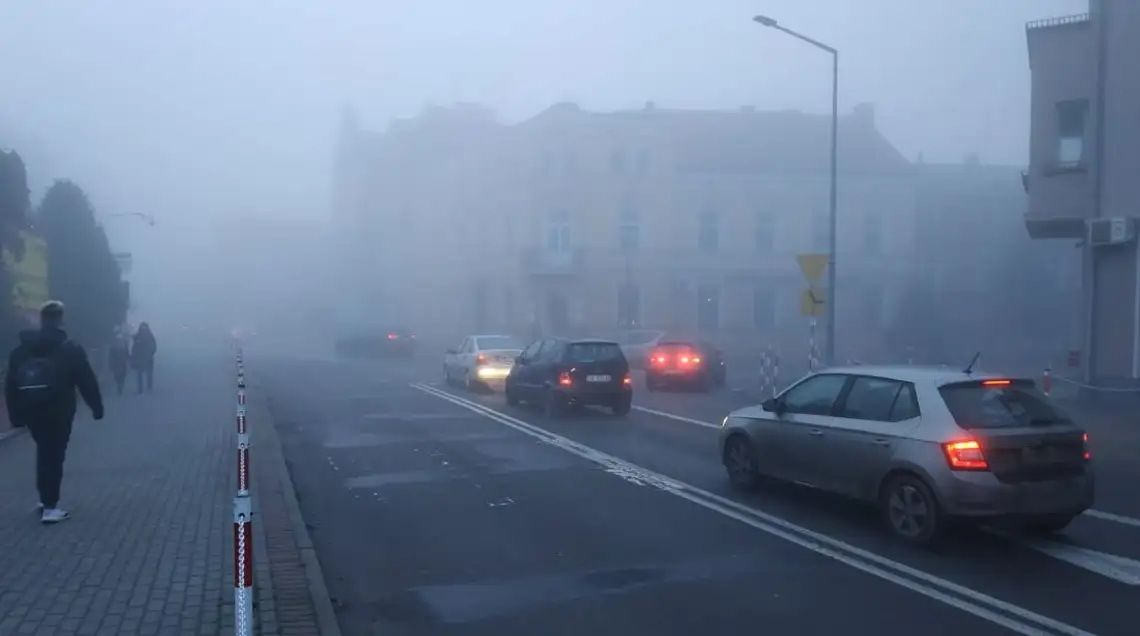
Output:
(243, 519)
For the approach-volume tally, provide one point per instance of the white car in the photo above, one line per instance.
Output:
(481, 361)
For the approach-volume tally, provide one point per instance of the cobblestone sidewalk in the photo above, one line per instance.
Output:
(148, 549)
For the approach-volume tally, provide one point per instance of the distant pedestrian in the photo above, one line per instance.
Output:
(119, 358)
(142, 357)
(44, 372)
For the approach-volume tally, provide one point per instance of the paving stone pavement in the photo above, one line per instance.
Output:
(148, 549)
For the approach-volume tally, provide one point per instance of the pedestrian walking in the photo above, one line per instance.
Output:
(44, 372)
(119, 359)
(142, 357)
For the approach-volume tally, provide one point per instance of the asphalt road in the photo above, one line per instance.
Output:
(436, 511)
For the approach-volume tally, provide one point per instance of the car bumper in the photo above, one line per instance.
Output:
(980, 494)
(596, 397)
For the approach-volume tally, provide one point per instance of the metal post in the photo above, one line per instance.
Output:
(831, 290)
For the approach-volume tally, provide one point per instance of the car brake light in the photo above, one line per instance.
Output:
(1087, 454)
(564, 379)
(393, 336)
(996, 382)
(696, 360)
(965, 455)
(659, 359)
(628, 381)
(684, 359)
(480, 359)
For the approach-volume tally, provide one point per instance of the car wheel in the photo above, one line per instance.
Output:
(468, 385)
(553, 405)
(741, 463)
(910, 510)
(622, 406)
(1047, 524)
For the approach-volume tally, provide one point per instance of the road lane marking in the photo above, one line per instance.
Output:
(1097, 514)
(672, 416)
(1108, 516)
(1113, 566)
(934, 587)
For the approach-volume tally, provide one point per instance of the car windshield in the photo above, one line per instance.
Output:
(485, 343)
(593, 352)
(1017, 404)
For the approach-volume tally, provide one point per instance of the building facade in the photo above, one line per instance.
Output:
(578, 222)
(1084, 158)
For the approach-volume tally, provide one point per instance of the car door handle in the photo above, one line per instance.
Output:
(815, 432)
(879, 441)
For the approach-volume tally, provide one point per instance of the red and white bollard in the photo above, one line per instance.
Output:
(1047, 382)
(243, 465)
(243, 567)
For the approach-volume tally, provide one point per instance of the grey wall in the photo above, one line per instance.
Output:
(1121, 179)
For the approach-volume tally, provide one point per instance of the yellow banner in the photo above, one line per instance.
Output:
(28, 269)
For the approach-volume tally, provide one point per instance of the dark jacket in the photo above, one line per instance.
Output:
(143, 349)
(74, 367)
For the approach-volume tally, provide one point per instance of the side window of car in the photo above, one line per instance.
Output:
(531, 352)
(870, 399)
(551, 352)
(466, 346)
(906, 404)
(815, 395)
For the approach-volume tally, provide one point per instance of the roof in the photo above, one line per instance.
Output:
(914, 373)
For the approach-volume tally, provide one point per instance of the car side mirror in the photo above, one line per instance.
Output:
(773, 405)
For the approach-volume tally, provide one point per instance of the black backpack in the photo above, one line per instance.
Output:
(38, 379)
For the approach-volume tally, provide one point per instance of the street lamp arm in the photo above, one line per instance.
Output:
(769, 22)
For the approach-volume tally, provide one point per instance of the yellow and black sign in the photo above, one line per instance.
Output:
(28, 269)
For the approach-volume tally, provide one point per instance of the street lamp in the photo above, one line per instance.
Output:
(773, 24)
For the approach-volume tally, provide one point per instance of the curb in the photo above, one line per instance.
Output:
(319, 593)
(15, 432)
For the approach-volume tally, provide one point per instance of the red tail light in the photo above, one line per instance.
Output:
(1087, 453)
(965, 455)
(628, 381)
(480, 360)
(564, 379)
(659, 359)
(996, 382)
(393, 336)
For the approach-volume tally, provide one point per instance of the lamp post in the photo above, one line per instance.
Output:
(829, 353)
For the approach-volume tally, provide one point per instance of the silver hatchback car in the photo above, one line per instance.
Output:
(924, 444)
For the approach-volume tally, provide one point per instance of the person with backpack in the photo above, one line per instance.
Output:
(142, 355)
(44, 372)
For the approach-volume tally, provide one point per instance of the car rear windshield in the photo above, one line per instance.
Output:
(1016, 404)
(593, 352)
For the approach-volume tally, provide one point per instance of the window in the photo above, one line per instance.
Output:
(491, 343)
(871, 399)
(558, 231)
(765, 236)
(764, 308)
(617, 162)
(1017, 404)
(873, 233)
(1071, 117)
(531, 353)
(551, 351)
(906, 404)
(815, 395)
(708, 306)
(629, 305)
(466, 346)
(708, 235)
(594, 352)
(629, 226)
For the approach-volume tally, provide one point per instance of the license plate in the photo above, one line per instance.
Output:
(598, 378)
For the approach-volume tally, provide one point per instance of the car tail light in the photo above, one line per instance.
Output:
(393, 336)
(1087, 454)
(628, 381)
(564, 379)
(659, 359)
(996, 382)
(965, 455)
(695, 360)
(480, 359)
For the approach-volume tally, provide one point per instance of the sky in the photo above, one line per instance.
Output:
(196, 110)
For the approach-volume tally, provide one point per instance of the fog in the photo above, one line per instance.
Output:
(209, 114)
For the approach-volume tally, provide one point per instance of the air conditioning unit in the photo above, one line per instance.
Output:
(1113, 231)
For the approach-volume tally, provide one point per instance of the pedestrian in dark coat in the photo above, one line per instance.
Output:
(44, 372)
(142, 357)
(119, 358)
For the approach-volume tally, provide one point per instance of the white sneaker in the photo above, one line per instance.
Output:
(54, 515)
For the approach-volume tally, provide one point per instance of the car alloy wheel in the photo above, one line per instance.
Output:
(911, 510)
(740, 462)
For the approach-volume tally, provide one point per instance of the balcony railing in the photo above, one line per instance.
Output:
(1076, 18)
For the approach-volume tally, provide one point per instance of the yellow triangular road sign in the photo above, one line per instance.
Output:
(812, 265)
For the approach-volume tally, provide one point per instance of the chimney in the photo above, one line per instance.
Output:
(864, 114)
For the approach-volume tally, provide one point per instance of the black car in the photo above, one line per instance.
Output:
(682, 363)
(394, 342)
(557, 373)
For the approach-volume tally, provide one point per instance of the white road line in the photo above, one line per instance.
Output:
(1113, 566)
(1108, 516)
(1098, 514)
(929, 585)
(672, 416)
